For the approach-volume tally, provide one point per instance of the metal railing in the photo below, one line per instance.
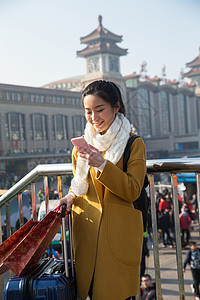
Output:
(171, 166)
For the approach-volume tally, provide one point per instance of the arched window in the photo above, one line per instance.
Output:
(78, 125)
(60, 127)
(15, 127)
(39, 127)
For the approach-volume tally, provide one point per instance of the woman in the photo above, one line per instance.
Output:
(107, 230)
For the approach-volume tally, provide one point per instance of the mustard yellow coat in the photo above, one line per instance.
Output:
(108, 230)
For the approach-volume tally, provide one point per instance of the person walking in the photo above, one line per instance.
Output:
(40, 196)
(165, 225)
(162, 204)
(107, 229)
(193, 259)
(185, 225)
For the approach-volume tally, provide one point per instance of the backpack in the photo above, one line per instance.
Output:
(142, 203)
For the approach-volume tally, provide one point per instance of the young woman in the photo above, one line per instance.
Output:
(107, 229)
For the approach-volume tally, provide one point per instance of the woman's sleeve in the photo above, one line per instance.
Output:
(126, 186)
(74, 158)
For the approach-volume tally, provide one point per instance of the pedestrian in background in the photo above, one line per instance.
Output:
(185, 225)
(163, 204)
(148, 288)
(40, 195)
(193, 259)
(164, 224)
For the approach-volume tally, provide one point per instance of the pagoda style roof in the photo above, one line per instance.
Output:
(195, 62)
(101, 33)
(103, 47)
(101, 40)
(133, 75)
(154, 79)
(192, 72)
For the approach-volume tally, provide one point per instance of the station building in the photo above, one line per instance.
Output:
(37, 124)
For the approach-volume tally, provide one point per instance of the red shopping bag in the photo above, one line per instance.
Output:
(10, 244)
(27, 254)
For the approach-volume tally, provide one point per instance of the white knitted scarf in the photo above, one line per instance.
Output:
(112, 143)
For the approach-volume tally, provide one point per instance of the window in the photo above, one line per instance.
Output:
(22, 126)
(12, 96)
(72, 101)
(145, 112)
(78, 125)
(198, 112)
(75, 101)
(35, 98)
(104, 64)
(15, 128)
(60, 127)
(165, 114)
(183, 123)
(39, 127)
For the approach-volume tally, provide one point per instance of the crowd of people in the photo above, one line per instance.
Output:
(7, 180)
(188, 213)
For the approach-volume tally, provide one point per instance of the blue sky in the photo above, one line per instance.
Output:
(39, 38)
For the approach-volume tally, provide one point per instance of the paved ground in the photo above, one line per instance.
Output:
(168, 266)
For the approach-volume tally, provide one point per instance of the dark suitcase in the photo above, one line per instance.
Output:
(51, 279)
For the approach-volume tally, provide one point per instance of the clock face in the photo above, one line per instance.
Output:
(93, 64)
(113, 64)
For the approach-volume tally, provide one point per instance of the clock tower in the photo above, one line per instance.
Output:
(102, 56)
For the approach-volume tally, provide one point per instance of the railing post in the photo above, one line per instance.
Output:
(8, 224)
(178, 237)
(8, 228)
(0, 229)
(21, 215)
(60, 193)
(1, 276)
(33, 196)
(155, 238)
(198, 195)
(46, 197)
(46, 193)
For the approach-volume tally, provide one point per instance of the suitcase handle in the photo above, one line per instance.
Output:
(63, 211)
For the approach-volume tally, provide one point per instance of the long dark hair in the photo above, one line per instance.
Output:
(107, 90)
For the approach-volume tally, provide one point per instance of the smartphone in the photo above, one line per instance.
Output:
(81, 144)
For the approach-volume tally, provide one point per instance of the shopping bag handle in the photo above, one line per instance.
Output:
(63, 210)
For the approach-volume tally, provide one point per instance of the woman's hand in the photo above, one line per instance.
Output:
(68, 200)
(94, 158)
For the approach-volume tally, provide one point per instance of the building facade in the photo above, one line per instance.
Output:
(166, 115)
(37, 124)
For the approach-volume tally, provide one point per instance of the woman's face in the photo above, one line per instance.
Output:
(99, 113)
